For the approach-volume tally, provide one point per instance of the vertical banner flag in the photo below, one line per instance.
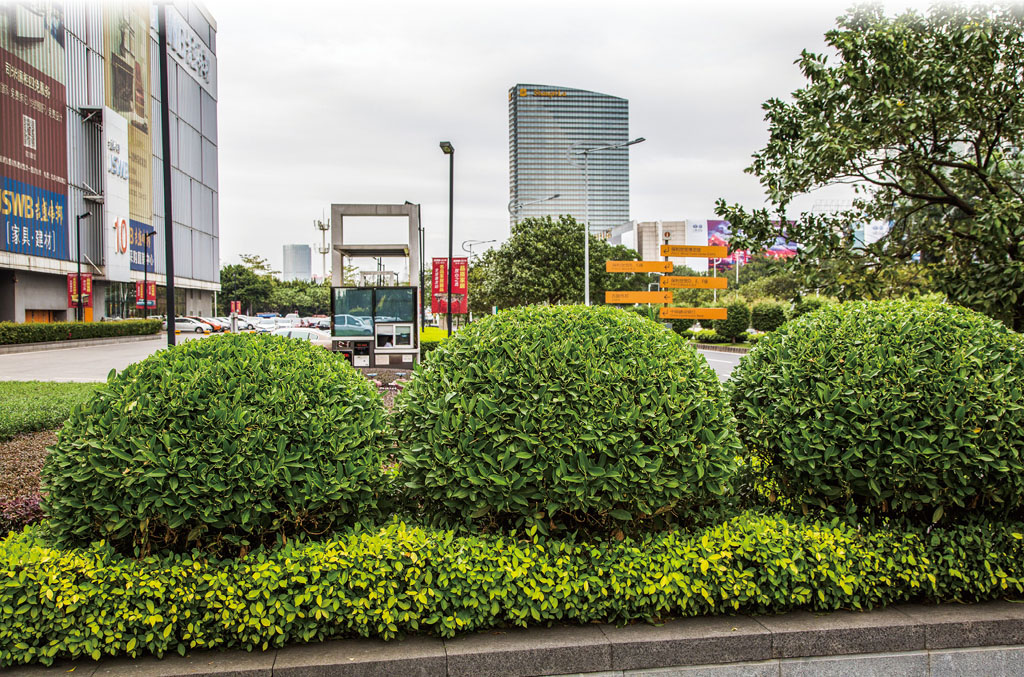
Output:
(116, 234)
(460, 286)
(147, 296)
(33, 138)
(86, 290)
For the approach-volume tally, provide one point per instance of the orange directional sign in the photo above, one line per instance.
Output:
(638, 297)
(696, 251)
(669, 282)
(638, 266)
(693, 313)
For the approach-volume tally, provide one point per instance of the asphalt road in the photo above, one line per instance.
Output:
(93, 363)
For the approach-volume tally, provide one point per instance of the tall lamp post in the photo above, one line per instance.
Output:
(585, 152)
(449, 150)
(516, 206)
(78, 255)
(145, 276)
(473, 243)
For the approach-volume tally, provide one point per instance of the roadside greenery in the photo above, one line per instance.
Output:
(395, 579)
(567, 417)
(220, 445)
(21, 332)
(888, 406)
(30, 406)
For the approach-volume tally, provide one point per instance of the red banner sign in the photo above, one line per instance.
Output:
(86, 290)
(147, 296)
(236, 307)
(460, 286)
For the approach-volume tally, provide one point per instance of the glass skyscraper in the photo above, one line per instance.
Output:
(545, 125)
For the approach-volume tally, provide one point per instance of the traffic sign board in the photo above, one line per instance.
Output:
(638, 266)
(670, 282)
(693, 313)
(713, 252)
(638, 297)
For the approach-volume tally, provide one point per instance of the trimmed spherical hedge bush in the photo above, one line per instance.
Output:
(228, 441)
(890, 406)
(767, 316)
(736, 322)
(564, 416)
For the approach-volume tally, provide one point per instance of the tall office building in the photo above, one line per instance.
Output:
(81, 158)
(298, 263)
(547, 123)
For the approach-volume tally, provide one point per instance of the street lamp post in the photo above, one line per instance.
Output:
(449, 150)
(78, 255)
(145, 275)
(585, 152)
(516, 206)
(473, 243)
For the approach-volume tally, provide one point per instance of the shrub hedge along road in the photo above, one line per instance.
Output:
(225, 442)
(564, 415)
(888, 406)
(20, 332)
(396, 579)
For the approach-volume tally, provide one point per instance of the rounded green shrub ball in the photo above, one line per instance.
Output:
(565, 415)
(893, 406)
(225, 441)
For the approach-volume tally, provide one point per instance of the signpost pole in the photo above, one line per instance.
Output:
(165, 128)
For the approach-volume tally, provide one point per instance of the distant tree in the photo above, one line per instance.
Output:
(923, 113)
(239, 283)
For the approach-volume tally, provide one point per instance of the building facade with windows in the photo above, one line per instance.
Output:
(546, 124)
(81, 158)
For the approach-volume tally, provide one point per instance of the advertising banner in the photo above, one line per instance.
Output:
(73, 290)
(126, 36)
(116, 172)
(146, 295)
(33, 138)
(142, 256)
(460, 286)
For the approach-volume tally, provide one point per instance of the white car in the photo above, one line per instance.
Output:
(188, 324)
(315, 336)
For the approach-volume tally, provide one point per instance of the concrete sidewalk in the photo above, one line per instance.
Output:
(982, 639)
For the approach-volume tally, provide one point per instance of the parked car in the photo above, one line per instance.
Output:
(315, 336)
(266, 324)
(190, 324)
(216, 324)
(351, 325)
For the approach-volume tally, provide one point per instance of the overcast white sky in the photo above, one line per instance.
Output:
(323, 102)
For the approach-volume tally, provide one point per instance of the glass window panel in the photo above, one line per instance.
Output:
(403, 335)
(395, 305)
(385, 336)
(353, 312)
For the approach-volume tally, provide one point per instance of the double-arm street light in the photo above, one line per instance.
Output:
(473, 243)
(585, 152)
(449, 150)
(516, 206)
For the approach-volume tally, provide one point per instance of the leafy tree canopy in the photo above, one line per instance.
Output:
(923, 113)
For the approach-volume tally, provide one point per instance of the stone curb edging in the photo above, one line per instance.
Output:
(75, 343)
(721, 348)
(732, 643)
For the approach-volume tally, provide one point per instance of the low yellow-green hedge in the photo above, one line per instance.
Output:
(396, 579)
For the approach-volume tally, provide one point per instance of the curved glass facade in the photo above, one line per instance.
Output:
(545, 124)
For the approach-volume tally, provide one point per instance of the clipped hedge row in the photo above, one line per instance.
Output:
(399, 579)
(19, 332)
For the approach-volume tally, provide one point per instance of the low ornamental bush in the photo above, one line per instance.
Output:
(888, 406)
(808, 304)
(767, 316)
(395, 579)
(709, 336)
(34, 332)
(218, 444)
(31, 406)
(736, 322)
(564, 416)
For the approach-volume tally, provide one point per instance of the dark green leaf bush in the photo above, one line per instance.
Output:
(20, 332)
(889, 406)
(709, 336)
(568, 416)
(767, 316)
(736, 322)
(808, 304)
(227, 441)
(395, 579)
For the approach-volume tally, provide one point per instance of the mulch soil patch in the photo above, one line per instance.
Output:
(21, 459)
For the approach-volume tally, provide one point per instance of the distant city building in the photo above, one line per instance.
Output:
(298, 263)
(81, 169)
(545, 123)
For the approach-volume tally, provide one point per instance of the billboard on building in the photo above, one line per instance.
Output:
(116, 173)
(126, 40)
(33, 137)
